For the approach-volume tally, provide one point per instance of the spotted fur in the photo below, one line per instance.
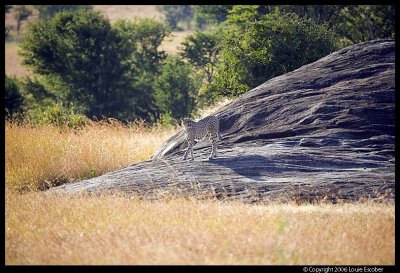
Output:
(199, 130)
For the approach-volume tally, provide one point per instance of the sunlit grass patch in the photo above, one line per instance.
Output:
(120, 229)
(41, 156)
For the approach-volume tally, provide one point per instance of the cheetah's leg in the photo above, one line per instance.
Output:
(189, 148)
(216, 129)
(213, 140)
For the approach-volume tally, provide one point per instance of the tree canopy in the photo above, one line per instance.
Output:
(269, 46)
(81, 63)
(101, 66)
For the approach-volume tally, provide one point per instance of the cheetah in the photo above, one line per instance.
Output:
(199, 130)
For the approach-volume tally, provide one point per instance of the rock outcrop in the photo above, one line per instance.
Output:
(325, 130)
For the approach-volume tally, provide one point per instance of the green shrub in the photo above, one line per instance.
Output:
(167, 120)
(269, 45)
(60, 116)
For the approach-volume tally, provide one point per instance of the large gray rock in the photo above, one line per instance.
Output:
(325, 130)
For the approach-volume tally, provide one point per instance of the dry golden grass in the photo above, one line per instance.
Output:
(126, 230)
(36, 156)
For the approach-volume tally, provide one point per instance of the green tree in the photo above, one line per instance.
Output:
(366, 22)
(355, 23)
(42, 92)
(213, 13)
(13, 98)
(201, 50)
(44, 103)
(144, 37)
(243, 14)
(321, 14)
(175, 89)
(81, 50)
(199, 20)
(22, 13)
(48, 11)
(270, 45)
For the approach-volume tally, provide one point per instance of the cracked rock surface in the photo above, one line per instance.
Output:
(325, 130)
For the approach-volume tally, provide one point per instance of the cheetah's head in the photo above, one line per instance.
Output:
(187, 123)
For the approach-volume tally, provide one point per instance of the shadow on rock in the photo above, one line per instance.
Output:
(259, 167)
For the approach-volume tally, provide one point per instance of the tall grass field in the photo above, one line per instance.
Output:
(120, 229)
(127, 230)
(38, 157)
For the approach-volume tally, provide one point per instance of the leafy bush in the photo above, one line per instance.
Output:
(267, 47)
(38, 94)
(167, 120)
(58, 115)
